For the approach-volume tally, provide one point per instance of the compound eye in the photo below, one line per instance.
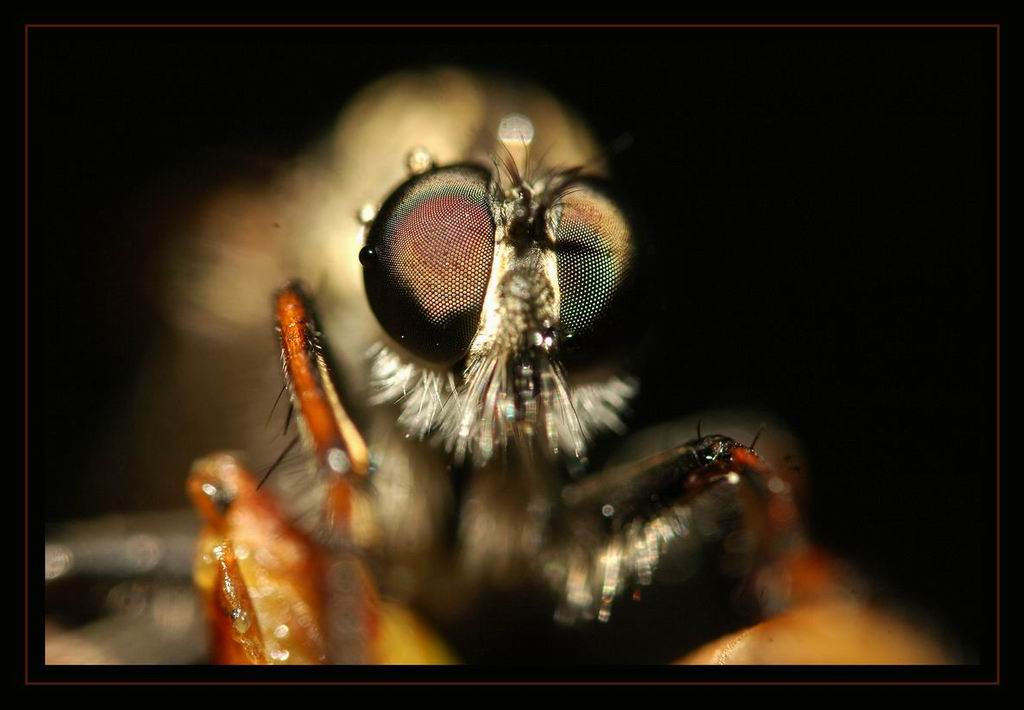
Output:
(427, 261)
(596, 260)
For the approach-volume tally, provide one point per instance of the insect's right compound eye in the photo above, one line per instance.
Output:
(427, 261)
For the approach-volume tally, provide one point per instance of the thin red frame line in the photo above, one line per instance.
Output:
(998, 343)
(996, 27)
(25, 177)
(520, 682)
(521, 26)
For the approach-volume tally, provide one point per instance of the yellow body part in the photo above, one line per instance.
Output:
(405, 639)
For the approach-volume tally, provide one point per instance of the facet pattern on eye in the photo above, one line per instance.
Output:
(433, 244)
(595, 255)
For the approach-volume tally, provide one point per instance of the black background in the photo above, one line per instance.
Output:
(822, 201)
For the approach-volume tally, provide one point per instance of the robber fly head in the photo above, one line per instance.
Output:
(495, 283)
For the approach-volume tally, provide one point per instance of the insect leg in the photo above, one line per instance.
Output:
(278, 594)
(622, 522)
(342, 464)
(810, 606)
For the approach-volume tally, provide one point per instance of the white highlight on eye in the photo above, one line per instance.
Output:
(515, 129)
(367, 213)
(419, 160)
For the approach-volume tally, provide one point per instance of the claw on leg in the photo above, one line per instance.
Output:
(233, 602)
(257, 574)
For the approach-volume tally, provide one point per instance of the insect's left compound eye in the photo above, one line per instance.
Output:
(596, 260)
(427, 261)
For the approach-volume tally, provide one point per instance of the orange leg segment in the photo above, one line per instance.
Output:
(273, 594)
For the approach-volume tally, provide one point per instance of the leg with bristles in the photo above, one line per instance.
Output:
(274, 593)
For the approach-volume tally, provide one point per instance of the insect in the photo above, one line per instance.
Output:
(461, 295)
